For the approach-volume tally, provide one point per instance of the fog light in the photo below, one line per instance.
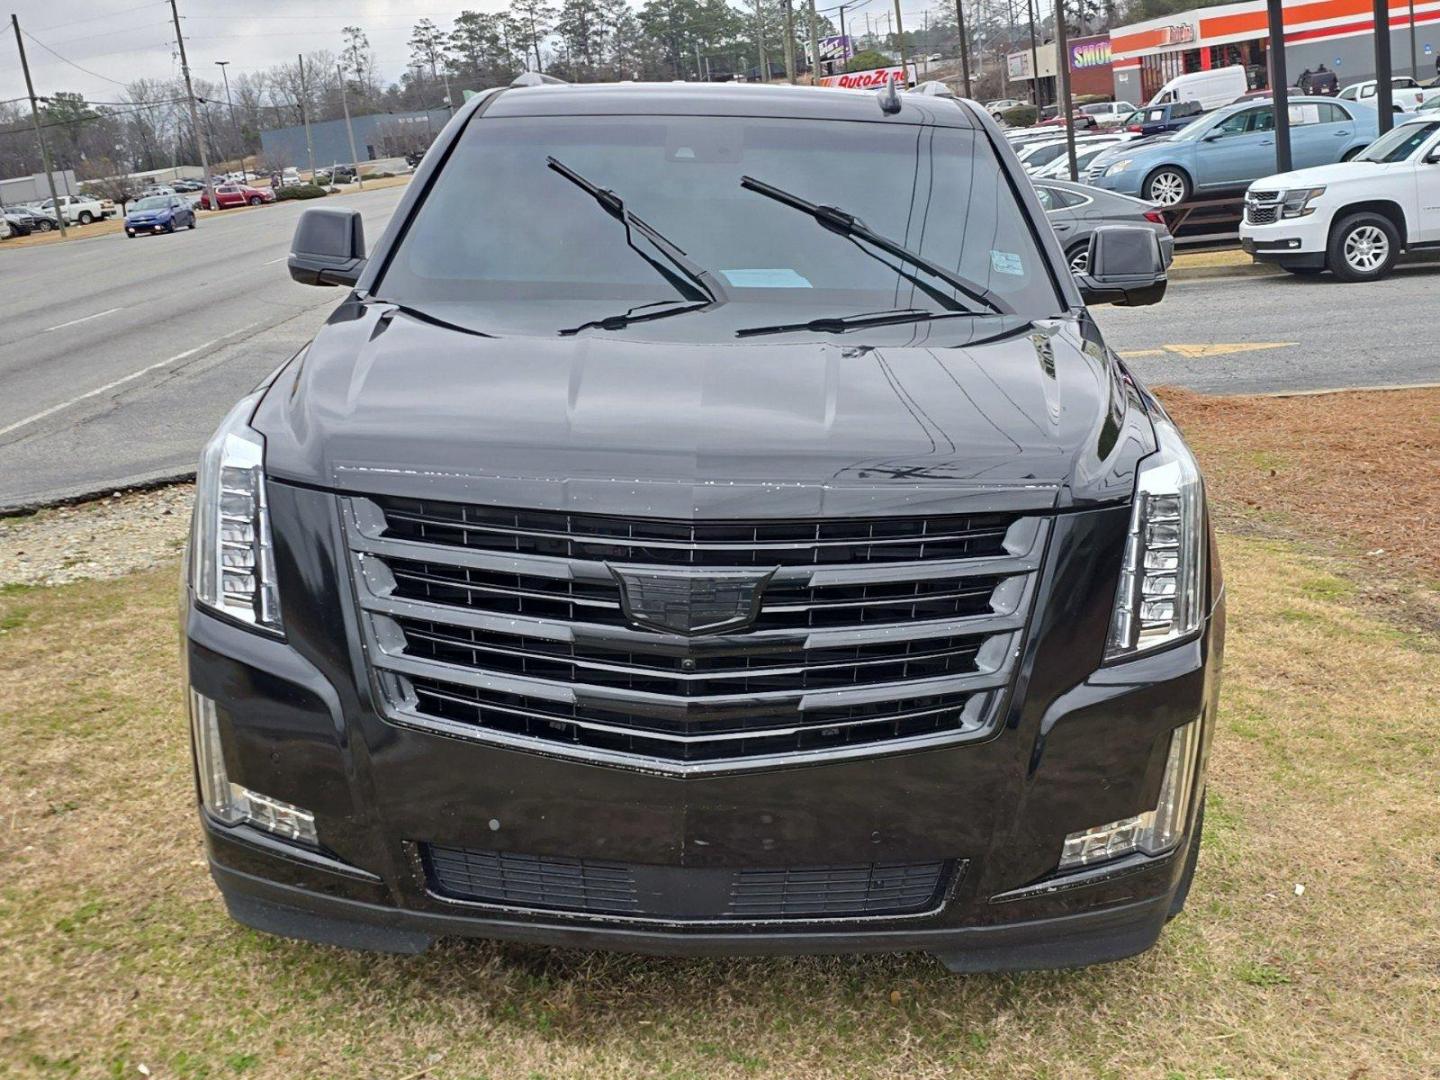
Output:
(229, 803)
(1155, 831)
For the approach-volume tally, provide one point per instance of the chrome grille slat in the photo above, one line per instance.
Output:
(849, 651)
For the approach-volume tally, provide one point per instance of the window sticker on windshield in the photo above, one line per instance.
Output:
(766, 279)
(1006, 262)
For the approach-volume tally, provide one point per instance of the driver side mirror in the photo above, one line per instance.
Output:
(1126, 267)
(329, 247)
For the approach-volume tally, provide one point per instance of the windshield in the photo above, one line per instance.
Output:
(1399, 143)
(1200, 125)
(154, 202)
(505, 241)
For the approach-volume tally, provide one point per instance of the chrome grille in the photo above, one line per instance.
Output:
(477, 625)
(1263, 196)
(1261, 215)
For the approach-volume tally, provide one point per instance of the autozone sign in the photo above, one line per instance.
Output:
(865, 80)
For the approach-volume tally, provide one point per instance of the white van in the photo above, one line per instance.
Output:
(1212, 89)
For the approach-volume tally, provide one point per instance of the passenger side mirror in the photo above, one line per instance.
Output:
(329, 247)
(1126, 267)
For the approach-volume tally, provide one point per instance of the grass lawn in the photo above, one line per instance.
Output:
(1309, 949)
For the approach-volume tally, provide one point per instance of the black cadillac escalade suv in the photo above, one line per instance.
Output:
(711, 523)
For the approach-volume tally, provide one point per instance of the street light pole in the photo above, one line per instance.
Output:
(39, 134)
(239, 139)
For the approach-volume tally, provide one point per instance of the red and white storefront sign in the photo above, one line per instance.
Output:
(868, 80)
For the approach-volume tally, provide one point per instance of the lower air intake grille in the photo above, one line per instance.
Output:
(684, 894)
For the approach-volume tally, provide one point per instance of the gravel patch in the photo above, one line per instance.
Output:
(106, 538)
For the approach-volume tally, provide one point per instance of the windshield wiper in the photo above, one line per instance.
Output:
(638, 314)
(692, 281)
(422, 316)
(848, 225)
(840, 324)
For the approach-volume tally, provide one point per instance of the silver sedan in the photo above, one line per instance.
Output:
(1075, 210)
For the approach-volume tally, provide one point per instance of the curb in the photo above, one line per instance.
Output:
(143, 482)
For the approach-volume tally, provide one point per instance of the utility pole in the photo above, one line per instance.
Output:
(1062, 77)
(760, 41)
(1034, 57)
(815, 47)
(350, 131)
(789, 40)
(964, 44)
(239, 139)
(305, 114)
(207, 191)
(1414, 66)
(900, 46)
(39, 134)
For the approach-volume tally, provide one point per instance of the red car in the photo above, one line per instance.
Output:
(235, 195)
(1081, 120)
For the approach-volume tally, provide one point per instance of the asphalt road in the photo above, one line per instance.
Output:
(118, 357)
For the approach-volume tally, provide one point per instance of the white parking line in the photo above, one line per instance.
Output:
(272, 262)
(108, 386)
(77, 322)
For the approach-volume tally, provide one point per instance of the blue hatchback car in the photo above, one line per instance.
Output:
(159, 213)
(1227, 149)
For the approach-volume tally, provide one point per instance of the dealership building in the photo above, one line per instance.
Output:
(1133, 62)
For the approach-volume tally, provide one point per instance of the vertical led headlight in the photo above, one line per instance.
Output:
(1160, 598)
(232, 558)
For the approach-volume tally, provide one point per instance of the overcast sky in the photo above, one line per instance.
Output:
(119, 41)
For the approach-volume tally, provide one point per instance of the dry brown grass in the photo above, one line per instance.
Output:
(1362, 466)
(117, 951)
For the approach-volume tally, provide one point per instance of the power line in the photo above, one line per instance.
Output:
(102, 15)
(63, 60)
(108, 33)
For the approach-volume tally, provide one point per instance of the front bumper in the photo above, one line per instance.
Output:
(1125, 183)
(1082, 745)
(1301, 241)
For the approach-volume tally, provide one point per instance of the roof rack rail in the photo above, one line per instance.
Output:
(537, 78)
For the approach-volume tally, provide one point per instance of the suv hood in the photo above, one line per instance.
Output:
(384, 403)
(1323, 175)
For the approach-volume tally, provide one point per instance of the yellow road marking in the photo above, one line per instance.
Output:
(1194, 352)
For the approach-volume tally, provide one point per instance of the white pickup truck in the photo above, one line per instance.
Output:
(80, 209)
(1354, 218)
(1405, 93)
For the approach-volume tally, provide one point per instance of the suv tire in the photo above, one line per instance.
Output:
(1363, 247)
(1166, 186)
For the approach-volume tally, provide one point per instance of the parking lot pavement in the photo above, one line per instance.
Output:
(118, 357)
(1282, 334)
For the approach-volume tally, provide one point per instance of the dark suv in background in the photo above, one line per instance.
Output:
(710, 523)
(1162, 119)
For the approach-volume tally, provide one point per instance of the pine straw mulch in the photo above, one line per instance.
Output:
(1362, 465)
